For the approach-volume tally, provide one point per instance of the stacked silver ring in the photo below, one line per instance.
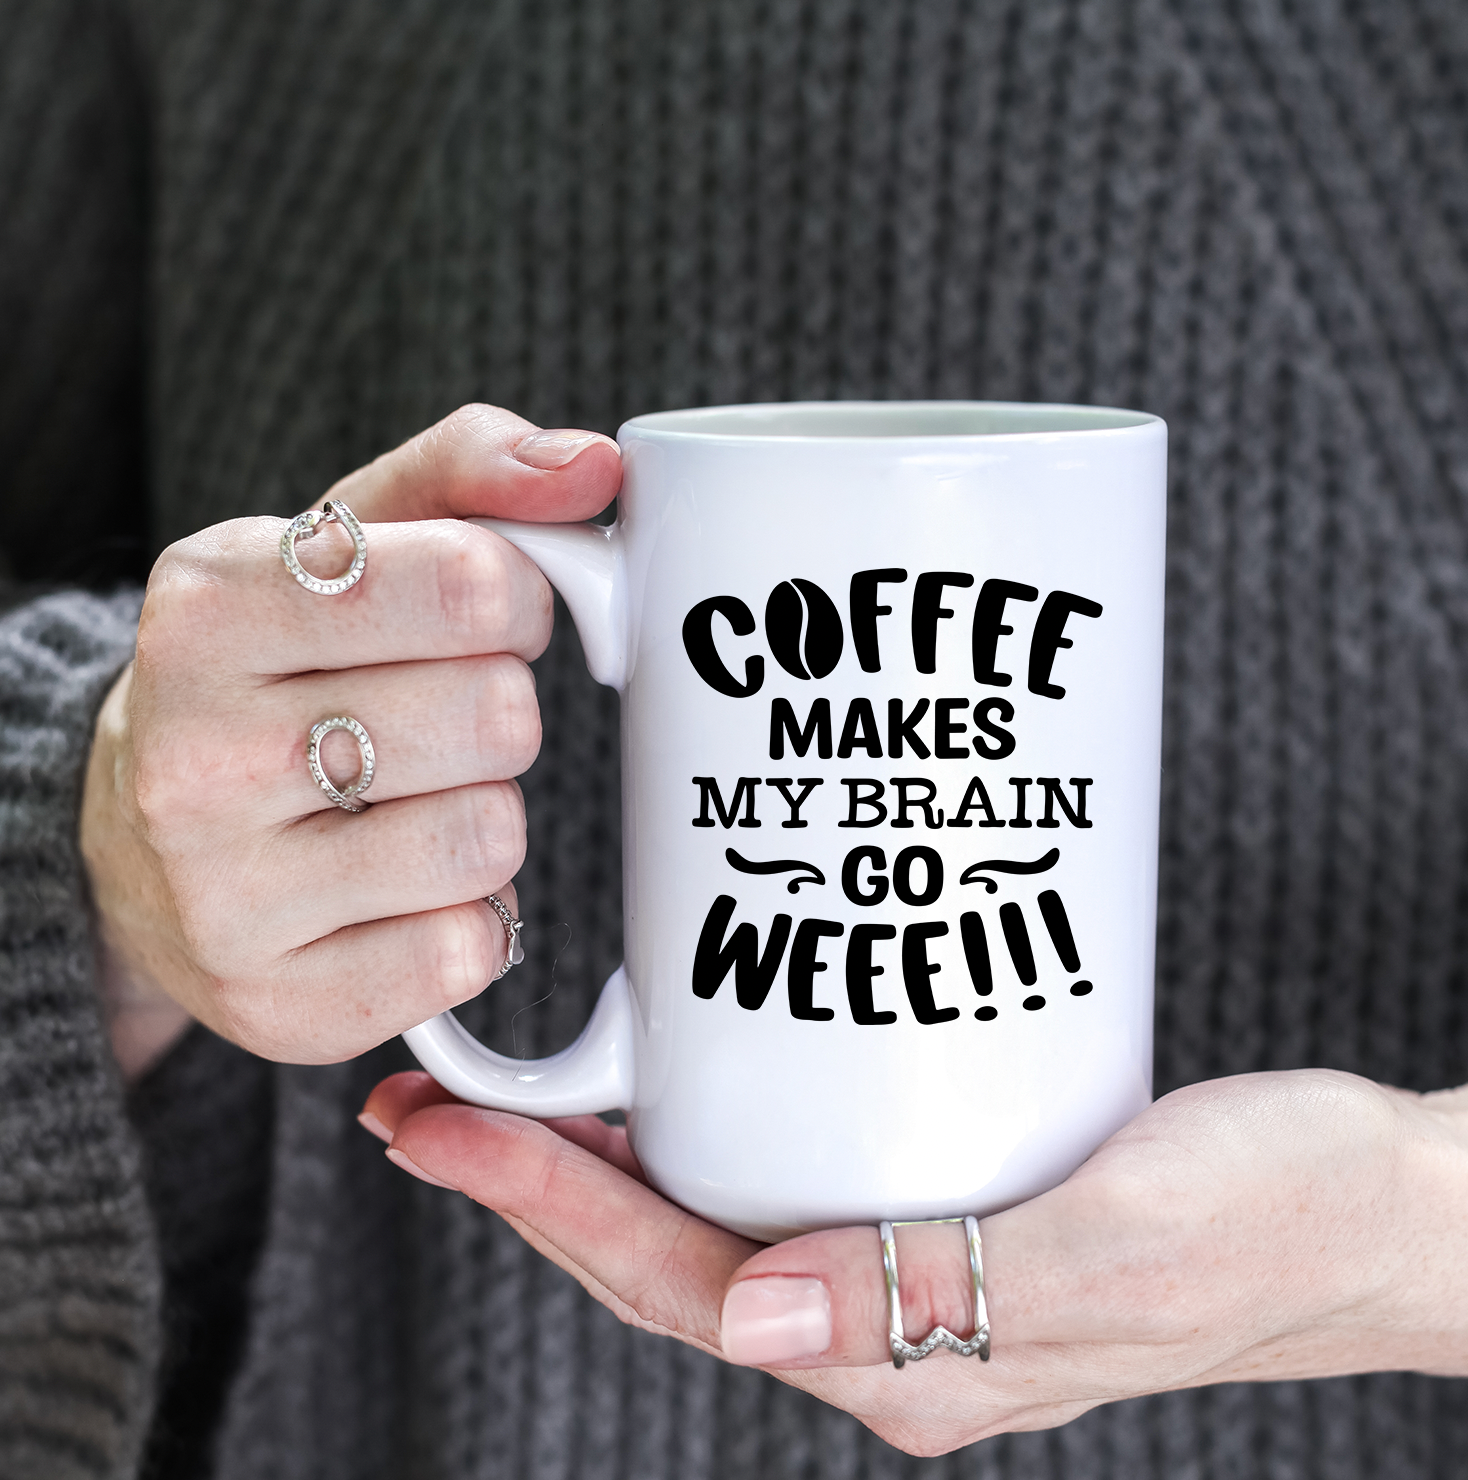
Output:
(902, 1350)
(304, 527)
(348, 798)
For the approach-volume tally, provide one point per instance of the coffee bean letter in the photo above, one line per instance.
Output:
(804, 634)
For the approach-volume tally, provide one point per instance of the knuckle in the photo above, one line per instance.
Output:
(177, 775)
(192, 589)
(496, 833)
(508, 727)
(160, 788)
(455, 449)
(1332, 1097)
(487, 588)
(460, 955)
(469, 581)
(475, 422)
(176, 600)
(217, 937)
(236, 1009)
(236, 990)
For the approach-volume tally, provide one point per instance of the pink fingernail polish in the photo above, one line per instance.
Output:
(369, 1122)
(399, 1159)
(554, 449)
(775, 1319)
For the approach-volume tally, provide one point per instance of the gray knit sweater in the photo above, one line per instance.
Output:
(246, 246)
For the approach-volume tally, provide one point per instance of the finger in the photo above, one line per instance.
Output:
(357, 988)
(439, 589)
(667, 1268)
(335, 869)
(397, 1097)
(1080, 1265)
(821, 1300)
(483, 460)
(401, 1095)
(433, 726)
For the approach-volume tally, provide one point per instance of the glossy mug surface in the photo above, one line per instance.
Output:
(891, 705)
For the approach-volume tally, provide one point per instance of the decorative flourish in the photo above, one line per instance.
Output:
(777, 866)
(974, 873)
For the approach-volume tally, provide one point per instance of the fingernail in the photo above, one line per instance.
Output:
(775, 1319)
(399, 1159)
(554, 449)
(369, 1122)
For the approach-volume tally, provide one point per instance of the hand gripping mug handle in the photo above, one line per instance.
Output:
(584, 562)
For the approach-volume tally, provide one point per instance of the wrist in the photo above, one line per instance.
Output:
(143, 1020)
(1431, 1288)
(1337, 1244)
(1409, 1206)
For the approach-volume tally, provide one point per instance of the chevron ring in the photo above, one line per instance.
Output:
(902, 1350)
(306, 526)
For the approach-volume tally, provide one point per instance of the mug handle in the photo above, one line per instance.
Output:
(584, 562)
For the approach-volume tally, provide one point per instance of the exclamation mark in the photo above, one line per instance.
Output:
(1017, 938)
(1058, 924)
(976, 952)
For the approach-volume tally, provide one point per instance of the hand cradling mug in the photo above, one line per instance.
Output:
(891, 707)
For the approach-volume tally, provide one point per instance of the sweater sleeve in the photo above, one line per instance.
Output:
(79, 1281)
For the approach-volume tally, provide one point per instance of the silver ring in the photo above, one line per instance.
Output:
(902, 1350)
(514, 951)
(345, 797)
(306, 526)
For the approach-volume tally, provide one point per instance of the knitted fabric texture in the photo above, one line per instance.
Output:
(1250, 217)
(79, 1277)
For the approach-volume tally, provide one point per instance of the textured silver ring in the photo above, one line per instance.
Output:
(306, 526)
(514, 951)
(902, 1350)
(346, 797)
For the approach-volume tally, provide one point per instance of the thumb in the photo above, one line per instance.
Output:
(821, 1300)
(483, 460)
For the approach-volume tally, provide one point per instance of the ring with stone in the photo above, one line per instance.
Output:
(306, 526)
(346, 797)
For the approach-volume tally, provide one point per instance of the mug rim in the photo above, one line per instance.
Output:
(750, 422)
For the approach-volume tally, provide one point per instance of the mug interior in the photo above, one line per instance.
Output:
(860, 419)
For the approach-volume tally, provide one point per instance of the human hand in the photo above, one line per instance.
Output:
(1263, 1227)
(228, 887)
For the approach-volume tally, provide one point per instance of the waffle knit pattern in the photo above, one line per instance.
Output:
(79, 1276)
(331, 221)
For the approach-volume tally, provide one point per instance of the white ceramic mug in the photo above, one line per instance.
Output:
(891, 705)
